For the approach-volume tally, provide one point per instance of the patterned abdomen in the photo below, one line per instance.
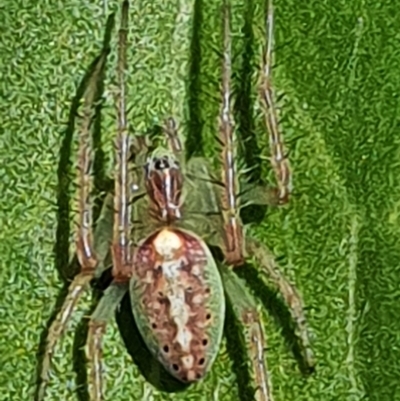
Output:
(178, 301)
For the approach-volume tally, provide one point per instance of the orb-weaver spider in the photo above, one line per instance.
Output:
(159, 224)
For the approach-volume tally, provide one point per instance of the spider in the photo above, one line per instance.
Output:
(159, 224)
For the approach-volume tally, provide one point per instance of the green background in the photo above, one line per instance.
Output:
(338, 71)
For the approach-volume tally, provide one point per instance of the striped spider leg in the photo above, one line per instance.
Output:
(85, 249)
(236, 246)
(93, 249)
(118, 215)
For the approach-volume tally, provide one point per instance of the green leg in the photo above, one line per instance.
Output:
(202, 213)
(246, 311)
(104, 311)
(103, 234)
(262, 195)
(265, 260)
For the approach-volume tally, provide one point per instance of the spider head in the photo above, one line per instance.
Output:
(163, 178)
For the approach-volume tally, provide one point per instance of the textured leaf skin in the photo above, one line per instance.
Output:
(339, 238)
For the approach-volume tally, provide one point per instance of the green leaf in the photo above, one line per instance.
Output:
(338, 71)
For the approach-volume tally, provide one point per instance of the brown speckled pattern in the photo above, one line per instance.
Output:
(174, 298)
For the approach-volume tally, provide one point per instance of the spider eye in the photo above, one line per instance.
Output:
(161, 164)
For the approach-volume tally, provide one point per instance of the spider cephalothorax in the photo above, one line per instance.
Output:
(159, 225)
(163, 178)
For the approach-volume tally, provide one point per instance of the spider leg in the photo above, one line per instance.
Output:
(170, 130)
(246, 311)
(104, 311)
(171, 133)
(126, 185)
(254, 194)
(121, 247)
(279, 159)
(84, 242)
(289, 293)
(233, 248)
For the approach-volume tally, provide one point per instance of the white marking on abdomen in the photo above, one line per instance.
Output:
(179, 310)
(166, 245)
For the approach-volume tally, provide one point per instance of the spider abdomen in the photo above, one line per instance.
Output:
(178, 301)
